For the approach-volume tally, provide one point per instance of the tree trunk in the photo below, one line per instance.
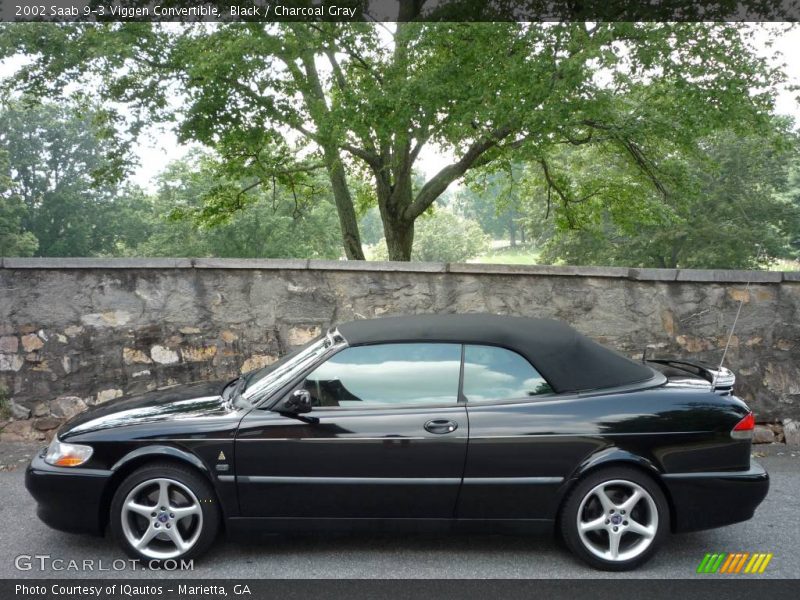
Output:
(314, 97)
(522, 235)
(512, 233)
(392, 201)
(351, 239)
(675, 252)
(399, 240)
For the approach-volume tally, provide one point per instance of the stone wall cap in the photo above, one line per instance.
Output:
(631, 273)
(556, 270)
(251, 263)
(649, 274)
(729, 276)
(377, 266)
(791, 275)
(96, 263)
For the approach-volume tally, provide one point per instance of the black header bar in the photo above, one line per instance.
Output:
(270, 11)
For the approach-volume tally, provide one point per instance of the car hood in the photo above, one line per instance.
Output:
(175, 402)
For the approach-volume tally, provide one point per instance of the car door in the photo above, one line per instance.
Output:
(518, 451)
(386, 438)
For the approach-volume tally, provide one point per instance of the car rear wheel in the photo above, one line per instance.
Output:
(615, 519)
(164, 511)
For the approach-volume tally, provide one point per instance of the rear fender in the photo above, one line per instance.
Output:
(606, 457)
(615, 455)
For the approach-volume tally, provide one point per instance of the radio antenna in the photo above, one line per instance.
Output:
(746, 294)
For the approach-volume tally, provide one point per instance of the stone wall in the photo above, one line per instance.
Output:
(77, 332)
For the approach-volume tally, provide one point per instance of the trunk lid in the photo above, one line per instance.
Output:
(695, 374)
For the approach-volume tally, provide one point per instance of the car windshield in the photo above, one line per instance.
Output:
(266, 381)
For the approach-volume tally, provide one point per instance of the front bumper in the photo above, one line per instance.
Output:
(707, 500)
(68, 499)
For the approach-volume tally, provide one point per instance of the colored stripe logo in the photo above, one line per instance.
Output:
(734, 563)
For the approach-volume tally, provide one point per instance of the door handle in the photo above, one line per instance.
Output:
(441, 426)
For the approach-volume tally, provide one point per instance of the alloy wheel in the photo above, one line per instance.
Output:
(617, 520)
(161, 518)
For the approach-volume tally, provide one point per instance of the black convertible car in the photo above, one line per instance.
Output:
(474, 422)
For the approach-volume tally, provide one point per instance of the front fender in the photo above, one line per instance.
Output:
(128, 463)
(160, 451)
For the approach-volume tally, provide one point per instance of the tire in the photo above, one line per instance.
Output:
(184, 529)
(619, 532)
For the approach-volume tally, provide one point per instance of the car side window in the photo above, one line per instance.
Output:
(492, 374)
(387, 375)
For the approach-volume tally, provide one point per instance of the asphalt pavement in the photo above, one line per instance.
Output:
(775, 528)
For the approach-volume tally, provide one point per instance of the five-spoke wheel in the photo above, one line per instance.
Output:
(164, 512)
(614, 518)
(162, 518)
(617, 520)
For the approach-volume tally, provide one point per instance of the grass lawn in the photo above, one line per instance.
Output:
(521, 255)
(526, 255)
(785, 265)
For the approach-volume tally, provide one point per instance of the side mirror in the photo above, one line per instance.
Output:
(298, 402)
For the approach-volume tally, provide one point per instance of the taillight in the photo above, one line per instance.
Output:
(744, 428)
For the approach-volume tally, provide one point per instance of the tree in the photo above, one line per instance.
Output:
(14, 241)
(733, 213)
(271, 226)
(792, 197)
(65, 166)
(445, 237)
(370, 226)
(279, 101)
(492, 200)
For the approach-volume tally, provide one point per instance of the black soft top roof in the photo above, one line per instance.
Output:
(568, 360)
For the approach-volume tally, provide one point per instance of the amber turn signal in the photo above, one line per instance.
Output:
(60, 454)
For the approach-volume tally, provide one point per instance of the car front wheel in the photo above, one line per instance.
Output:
(615, 519)
(164, 511)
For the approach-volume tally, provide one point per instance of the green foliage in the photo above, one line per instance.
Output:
(65, 176)
(791, 197)
(62, 198)
(731, 213)
(14, 240)
(270, 225)
(633, 94)
(445, 237)
(371, 226)
(520, 255)
(491, 201)
(492, 198)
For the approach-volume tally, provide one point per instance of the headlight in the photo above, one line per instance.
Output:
(60, 454)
